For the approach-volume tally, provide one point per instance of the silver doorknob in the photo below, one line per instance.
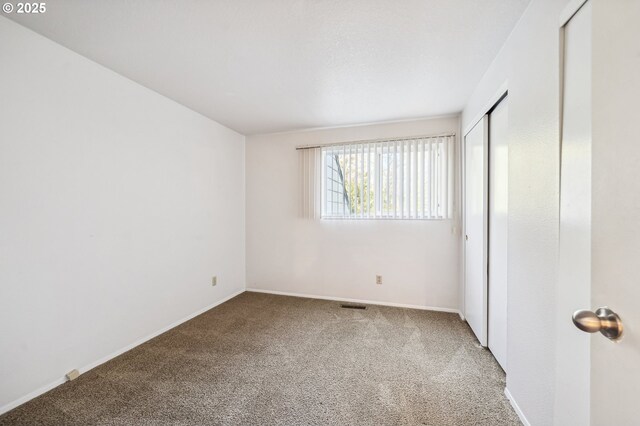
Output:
(603, 320)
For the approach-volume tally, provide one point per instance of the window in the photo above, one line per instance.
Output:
(392, 179)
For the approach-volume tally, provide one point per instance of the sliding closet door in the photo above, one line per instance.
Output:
(498, 205)
(475, 221)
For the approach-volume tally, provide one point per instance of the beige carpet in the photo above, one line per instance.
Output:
(272, 360)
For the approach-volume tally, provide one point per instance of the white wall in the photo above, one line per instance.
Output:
(117, 206)
(417, 259)
(529, 61)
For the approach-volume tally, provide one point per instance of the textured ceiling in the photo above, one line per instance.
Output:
(273, 65)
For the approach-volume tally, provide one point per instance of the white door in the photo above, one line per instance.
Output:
(498, 208)
(475, 215)
(599, 379)
(615, 201)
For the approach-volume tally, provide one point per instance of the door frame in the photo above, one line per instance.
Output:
(568, 397)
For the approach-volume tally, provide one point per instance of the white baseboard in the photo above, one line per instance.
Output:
(58, 382)
(368, 302)
(46, 388)
(517, 409)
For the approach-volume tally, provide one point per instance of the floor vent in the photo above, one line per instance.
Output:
(350, 306)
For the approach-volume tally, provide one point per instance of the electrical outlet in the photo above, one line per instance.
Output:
(379, 279)
(214, 280)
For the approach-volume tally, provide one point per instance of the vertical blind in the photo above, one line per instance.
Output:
(408, 178)
(310, 173)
